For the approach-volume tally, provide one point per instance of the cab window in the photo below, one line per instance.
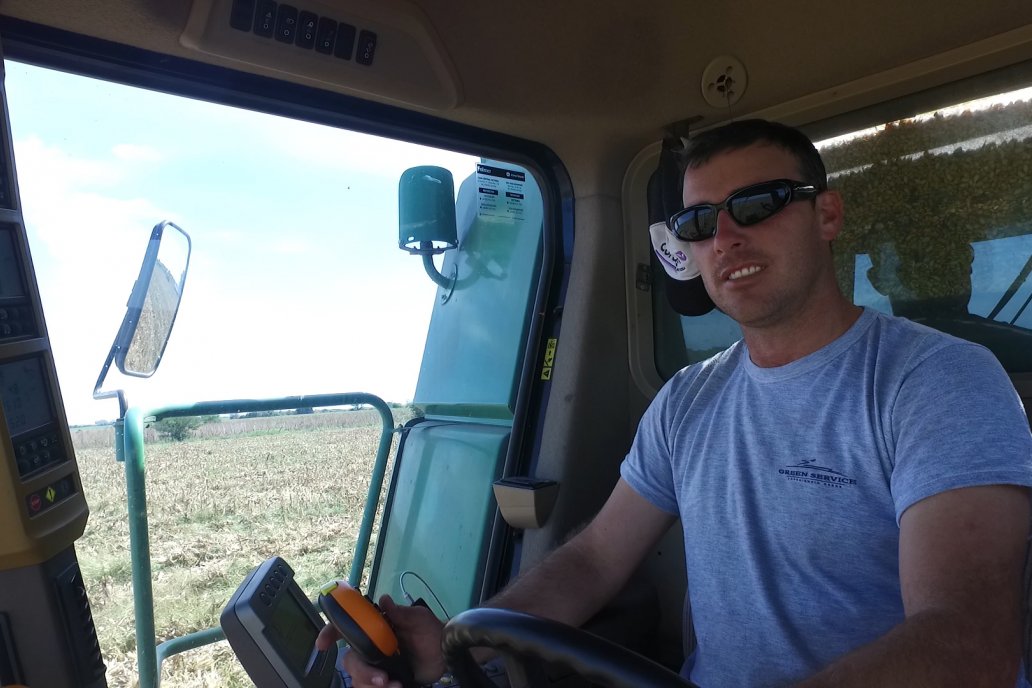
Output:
(297, 286)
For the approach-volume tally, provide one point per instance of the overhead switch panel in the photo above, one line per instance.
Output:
(387, 51)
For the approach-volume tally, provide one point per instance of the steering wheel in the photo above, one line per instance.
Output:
(519, 636)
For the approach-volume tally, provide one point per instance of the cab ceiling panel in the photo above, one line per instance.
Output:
(384, 50)
(585, 73)
(622, 66)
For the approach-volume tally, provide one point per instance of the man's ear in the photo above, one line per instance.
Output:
(828, 206)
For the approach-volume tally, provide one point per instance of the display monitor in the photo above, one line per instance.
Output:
(11, 285)
(25, 395)
(271, 626)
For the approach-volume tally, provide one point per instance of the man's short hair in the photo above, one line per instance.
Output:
(736, 135)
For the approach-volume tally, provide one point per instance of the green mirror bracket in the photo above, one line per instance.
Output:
(438, 278)
(426, 219)
(120, 439)
(150, 655)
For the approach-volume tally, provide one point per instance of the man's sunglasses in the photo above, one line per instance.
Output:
(746, 207)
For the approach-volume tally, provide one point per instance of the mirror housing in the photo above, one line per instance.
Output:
(154, 302)
(426, 210)
(152, 307)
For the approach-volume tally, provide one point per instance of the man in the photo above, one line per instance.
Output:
(852, 486)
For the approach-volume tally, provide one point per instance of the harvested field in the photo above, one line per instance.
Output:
(218, 505)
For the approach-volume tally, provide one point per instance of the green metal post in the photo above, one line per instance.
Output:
(190, 641)
(139, 547)
(375, 483)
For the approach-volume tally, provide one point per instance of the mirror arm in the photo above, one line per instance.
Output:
(97, 394)
(435, 274)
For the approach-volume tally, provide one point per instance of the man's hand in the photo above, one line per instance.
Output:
(419, 635)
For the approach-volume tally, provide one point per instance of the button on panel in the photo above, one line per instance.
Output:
(366, 48)
(345, 41)
(265, 20)
(241, 15)
(325, 35)
(286, 23)
(46, 498)
(307, 22)
(16, 320)
(38, 450)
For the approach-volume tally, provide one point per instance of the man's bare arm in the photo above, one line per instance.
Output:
(961, 556)
(578, 578)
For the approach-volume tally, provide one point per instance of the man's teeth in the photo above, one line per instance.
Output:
(744, 272)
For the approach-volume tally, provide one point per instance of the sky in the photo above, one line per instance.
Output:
(296, 284)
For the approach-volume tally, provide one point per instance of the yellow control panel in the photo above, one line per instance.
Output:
(41, 501)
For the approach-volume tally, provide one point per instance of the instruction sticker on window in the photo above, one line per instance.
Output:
(500, 193)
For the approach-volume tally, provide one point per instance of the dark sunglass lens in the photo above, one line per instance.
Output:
(756, 204)
(696, 224)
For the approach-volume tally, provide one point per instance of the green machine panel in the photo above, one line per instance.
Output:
(475, 343)
(439, 514)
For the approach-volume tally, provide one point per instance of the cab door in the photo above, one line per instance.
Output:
(442, 537)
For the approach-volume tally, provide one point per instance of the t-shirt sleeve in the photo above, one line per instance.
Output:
(957, 422)
(647, 468)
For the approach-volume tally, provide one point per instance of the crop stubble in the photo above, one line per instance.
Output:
(219, 505)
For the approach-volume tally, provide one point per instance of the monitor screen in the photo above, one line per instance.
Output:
(25, 396)
(10, 266)
(293, 630)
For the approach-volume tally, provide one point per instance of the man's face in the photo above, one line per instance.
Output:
(762, 274)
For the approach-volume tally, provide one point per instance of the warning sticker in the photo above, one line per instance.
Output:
(500, 192)
(549, 362)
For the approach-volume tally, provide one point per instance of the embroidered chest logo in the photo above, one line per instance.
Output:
(807, 472)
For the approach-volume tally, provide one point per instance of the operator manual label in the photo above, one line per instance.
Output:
(500, 192)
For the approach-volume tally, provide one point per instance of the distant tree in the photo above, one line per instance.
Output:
(258, 414)
(305, 410)
(178, 429)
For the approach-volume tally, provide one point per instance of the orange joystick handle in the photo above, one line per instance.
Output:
(364, 627)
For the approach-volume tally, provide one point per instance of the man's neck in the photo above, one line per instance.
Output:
(801, 335)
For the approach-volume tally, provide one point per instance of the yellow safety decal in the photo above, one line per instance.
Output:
(51, 494)
(546, 368)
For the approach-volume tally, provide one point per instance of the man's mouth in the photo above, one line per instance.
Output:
(744, 272)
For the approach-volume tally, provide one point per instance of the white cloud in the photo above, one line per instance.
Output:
(290, 247)
(131, 152)
(74, 218)
(38, 161)
(338, 149)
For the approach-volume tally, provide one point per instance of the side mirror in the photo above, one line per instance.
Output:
(426, 217)
(426, 210)
(152, 307)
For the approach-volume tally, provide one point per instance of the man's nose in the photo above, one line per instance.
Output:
(729, 233)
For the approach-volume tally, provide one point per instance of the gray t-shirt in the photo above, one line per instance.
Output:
(790, 483)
